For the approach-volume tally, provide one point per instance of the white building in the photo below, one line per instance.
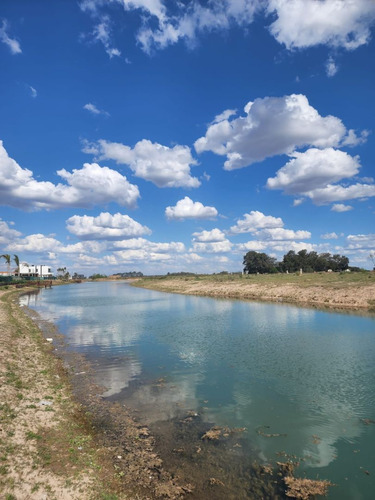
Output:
(32, 271)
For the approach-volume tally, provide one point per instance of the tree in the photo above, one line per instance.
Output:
(17, 262)
(7, 258)
(256, 262)
(63, 273)
(372, 258)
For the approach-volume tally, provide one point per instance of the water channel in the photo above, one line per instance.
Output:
(301, 381)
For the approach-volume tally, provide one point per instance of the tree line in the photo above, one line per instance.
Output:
(257, 262)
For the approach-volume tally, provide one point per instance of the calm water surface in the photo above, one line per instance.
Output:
(274, 369)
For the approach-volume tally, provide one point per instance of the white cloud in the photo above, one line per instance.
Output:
(149, 246)
(12, 43)
(340, 207)
(274, 246)
(105, 227)
(188, 209)
(164, 166)
(253, 245)
(361, 241)
(279, 233)
(298, 23)
(33, 92)
(47, 245)
(92, 185)
(255, 220)
(209, 236)
(331, 67)
(225, 115)
(337, 23)
(313, 169)
(333, 193)
(6, 233)
(35, 243)
(102, 33)
(94, 110)
(298, 202)
(272, 126)
(329, 236)
(213, 247)
(194, 18)
(313, 173)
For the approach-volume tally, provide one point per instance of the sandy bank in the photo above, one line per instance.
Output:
(321, 291)
(45, 446)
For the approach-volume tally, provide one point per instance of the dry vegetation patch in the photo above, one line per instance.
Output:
(349, 291)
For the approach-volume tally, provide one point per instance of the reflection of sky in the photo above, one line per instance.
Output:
(116, 375)
(300, 371)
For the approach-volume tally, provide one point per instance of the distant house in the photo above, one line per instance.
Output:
(34, 271)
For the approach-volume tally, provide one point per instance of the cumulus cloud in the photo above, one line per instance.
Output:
(274, 246)
(314, 169)
(254, 221)
(329, 236)
(212, 247)
(209, 236)
(35, 243)
(48, 245)
(13, 44)
(340, 207)
(361, 241)
(188, 209)
(7, 234)
(86, 187)
(313, 173)
(281, 234)
(164, 166)
(306, 23)
(105, 227)
(272, 126)
(149, 246)
(94, 110)
(332, 193)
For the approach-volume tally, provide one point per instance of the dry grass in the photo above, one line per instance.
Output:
(351, 291)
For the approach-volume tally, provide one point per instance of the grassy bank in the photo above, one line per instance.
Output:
(350, 291)
(47, 447)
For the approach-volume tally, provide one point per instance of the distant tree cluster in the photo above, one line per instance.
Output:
(97, 276)
(130, 274)
(256, 262)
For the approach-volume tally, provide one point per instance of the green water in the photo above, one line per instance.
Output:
(304, 378)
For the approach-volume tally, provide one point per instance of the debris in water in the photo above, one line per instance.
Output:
(305, 488)
(316, 439)
(367, 421)
(260, 432)
(216, 482)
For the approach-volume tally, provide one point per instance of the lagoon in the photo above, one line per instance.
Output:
(301, 381)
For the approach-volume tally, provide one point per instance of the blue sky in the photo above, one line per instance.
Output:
(176, 136)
